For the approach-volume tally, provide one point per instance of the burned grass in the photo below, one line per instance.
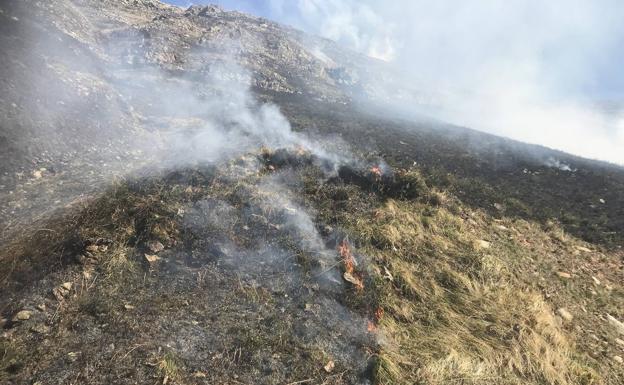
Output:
(222, 269)
(272, 269)
(503, 177)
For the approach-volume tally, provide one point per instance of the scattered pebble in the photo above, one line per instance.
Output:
(565, 314)
(152, 258)
(619, 326)
(481, 244)
(583, 249)
(155, 246)
(596, 280)
(563, 274)
(329, 367)
(62, 291)
(22, 315)
(40, 329)
(618, 359)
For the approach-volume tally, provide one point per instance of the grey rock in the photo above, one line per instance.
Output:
(22, 315)
(566, 315)
(40, 329)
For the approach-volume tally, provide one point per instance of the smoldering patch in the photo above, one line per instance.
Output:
(379, 178)
(239, 272)
(289, 266)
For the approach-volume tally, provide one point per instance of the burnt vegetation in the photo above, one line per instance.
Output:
(209, 274)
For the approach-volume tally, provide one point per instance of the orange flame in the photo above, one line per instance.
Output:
(372, 325)
(347, 257)
(376, 170)
(379, 313)
(349, 263)
(359, 282)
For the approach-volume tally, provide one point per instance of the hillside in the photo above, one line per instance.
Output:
(196, 196)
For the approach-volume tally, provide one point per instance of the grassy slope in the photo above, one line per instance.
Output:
(459, 310)
(465, 297)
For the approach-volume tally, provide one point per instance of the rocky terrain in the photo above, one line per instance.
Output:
(198, 196)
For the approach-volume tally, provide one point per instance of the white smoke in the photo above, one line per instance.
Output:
(525, 69)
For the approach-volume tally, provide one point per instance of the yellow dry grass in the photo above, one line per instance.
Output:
(455, 312)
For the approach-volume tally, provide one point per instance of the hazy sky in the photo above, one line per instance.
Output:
(534, 68)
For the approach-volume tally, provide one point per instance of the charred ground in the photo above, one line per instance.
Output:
(220, 274)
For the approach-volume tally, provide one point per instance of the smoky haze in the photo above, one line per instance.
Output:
(541, 72)
(83, 105)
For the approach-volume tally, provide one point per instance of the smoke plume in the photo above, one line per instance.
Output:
(544, 73)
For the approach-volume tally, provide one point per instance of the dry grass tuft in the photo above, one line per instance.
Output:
(168, 368)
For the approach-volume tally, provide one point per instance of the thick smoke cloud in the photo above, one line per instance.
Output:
(536, 71)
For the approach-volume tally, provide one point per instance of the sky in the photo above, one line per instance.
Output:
(532, 70)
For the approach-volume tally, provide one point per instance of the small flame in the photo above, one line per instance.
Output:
(376, 170)
(347, 257)
(359, 282)
(379, 313)
(349, 264)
